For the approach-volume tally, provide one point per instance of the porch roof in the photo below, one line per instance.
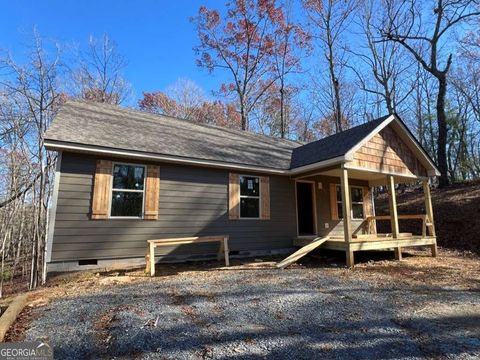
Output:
(369, 151)
(332, 146)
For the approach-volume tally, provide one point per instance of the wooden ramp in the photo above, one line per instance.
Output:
(301, 252)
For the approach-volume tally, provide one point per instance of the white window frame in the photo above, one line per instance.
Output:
(112, 189)
(250, 197)
(340, 215)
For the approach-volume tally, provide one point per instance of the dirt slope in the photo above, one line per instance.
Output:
(456, 211)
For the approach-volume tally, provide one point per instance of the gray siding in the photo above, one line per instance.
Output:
(193, 201)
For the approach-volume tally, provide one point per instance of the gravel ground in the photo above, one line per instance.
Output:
(258, 312)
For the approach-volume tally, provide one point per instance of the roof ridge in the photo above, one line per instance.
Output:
(156, 116)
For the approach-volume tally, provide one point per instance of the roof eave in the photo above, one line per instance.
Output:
(318, 165)
(56, 145)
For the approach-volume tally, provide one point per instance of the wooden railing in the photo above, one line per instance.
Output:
(427, 225)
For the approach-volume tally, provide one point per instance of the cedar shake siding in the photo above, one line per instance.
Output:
(193, 202)
(387, 152)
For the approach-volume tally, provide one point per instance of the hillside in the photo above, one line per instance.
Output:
(456, 211)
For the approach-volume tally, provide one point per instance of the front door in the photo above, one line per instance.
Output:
(305, 209)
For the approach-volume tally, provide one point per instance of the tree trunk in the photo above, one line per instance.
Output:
(338, 109)
(442, 131)
(243, 115)
(282, 113)
(388, 100)
(419, 114)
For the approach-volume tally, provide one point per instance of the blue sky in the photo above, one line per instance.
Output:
(155, 37)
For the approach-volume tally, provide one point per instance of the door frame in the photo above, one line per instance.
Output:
(314, 199)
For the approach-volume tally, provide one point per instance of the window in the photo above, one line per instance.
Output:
(356, 198)
(128, 187)
(249, 197)
(356, 193)
(339, 202)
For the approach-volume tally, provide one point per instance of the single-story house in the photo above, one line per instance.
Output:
(124, 177)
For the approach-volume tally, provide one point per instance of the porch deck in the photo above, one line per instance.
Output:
(373, 242)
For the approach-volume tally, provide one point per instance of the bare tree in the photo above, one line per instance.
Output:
(33, 90)
(188, 96)
(465, 78)
(331, 18)
(99, 76)
(303, 118)
(275, 113)
(186, 100)
(421, 30)
(292, 43)
(241, 44)
(321, 95)
(384, 72)
(424, 97)
(15, 179)
(467, 74)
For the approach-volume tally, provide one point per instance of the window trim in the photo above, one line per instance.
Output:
(127, 190)
(259, 197)
(340, 215)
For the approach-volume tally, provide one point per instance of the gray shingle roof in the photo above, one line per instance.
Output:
(89, 123)
(108, 126)
(332, 146)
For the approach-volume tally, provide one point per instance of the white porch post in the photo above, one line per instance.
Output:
(392, 200)
(429, 210)
(347, 222)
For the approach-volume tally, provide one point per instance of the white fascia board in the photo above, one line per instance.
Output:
(59, 146)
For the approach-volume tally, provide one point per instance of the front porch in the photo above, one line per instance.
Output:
(342, 214)
(353, 235)
(371, 239)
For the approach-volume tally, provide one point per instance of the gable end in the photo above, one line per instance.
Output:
(387, 152)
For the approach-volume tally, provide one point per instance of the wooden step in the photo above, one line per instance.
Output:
(301, 252)
(301, 241)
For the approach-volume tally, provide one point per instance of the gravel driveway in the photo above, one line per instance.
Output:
(299, 313)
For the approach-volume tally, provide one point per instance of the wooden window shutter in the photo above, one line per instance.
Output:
(101, 189)
(265, 198)
(333, 202)
(233, 196)
(367, 202)
(152, 192)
